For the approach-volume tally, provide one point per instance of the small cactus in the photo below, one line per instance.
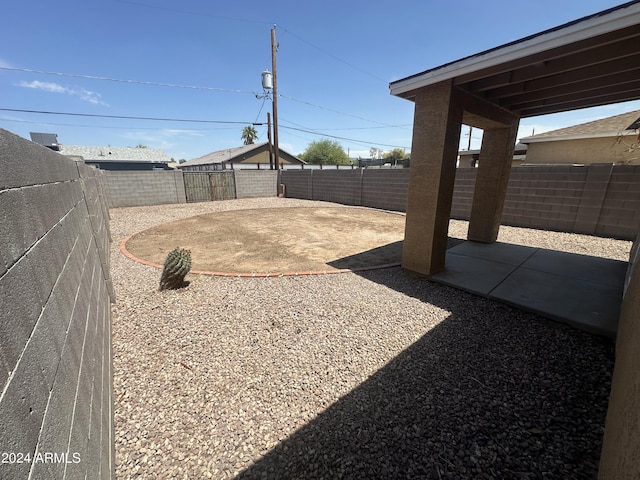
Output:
(176, 267)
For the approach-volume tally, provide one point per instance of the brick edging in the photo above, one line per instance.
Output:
(128, 254)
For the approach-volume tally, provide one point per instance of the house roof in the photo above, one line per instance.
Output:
(520, 149)
(591, 61)
(605, 127)
(230, 155)
(225, 155)
(121, 154)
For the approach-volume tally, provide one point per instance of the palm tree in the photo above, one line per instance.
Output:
(249, 134)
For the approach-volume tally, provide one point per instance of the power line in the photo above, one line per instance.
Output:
(335, 57)
(231, 122)
(262, 22)
(93, 115)
(335, 111)
(405, 126)
(363, 142)
(112, 127)
(119, 80)
(191, 87)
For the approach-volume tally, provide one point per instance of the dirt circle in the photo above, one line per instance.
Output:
(280, 241)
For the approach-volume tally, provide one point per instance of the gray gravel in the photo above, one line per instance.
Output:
(359, 376)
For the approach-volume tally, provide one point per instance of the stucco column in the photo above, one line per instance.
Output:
(434, 150)
(620, 456)
(496, 157)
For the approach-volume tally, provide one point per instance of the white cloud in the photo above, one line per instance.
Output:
(83, 94)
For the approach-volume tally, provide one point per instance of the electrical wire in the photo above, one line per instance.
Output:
(335, 111)
(363, 142)
(192, 87)
(335, 57)
(231, 122)
(138, 82)
(261, 107)
(93, 115)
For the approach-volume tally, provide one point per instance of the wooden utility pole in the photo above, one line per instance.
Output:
(274, 49)
(269, 138)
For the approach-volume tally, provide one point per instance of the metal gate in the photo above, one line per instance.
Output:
(208, 186)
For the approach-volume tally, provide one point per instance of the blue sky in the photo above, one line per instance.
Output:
(335, 61)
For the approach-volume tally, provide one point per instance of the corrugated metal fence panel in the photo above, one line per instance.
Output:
(222, 186)
(197, 187)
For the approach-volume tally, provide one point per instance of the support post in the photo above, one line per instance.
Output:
(494, 168)
(436, 136)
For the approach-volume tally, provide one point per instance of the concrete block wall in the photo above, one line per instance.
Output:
(463, 193)
(137, 188)
(340, 186)
(256, 183)
(621, 203)
(596, 199)
(56, 395)
(544, 197)
(298, 183)
(385, 189)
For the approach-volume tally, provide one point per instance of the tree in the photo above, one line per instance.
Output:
(249, 135)
(375, 153)
(326, 152)
(395, 155)
(140, 145)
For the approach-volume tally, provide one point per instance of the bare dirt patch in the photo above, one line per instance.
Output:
(278, 240)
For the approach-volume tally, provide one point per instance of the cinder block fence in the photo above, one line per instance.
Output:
(595, 200)
(56, 400)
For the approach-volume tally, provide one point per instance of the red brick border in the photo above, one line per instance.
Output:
(128, 254)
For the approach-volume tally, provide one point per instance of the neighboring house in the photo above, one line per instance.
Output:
(254, 154)
(119, 158)
(469, 158)
(108, 158)
(609, 140)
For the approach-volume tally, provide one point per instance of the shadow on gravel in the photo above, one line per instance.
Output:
(384, 255)
(490, 392)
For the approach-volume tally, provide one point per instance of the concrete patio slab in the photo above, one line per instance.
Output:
(508, 253)
(585, 267)
(580, 290)
(591, 306)
(473, 274)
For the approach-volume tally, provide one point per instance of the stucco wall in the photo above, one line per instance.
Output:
(55, 316)
(620, 458)
(589, 150)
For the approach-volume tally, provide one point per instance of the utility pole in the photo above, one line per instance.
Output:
(269, 138)
(274, 49)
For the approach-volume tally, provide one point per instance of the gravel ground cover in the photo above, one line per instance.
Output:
(356, 376)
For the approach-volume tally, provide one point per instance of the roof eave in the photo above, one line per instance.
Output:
(584, 136)
(620, 17)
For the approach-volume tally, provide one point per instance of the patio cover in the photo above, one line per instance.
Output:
(588, 62)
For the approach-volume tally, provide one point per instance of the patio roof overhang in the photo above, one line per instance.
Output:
(591, 61)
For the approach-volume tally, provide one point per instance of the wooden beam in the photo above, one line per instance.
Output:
(615, 97)
(605, 69)
(586, 95)
(617, 81)
(483, 114)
